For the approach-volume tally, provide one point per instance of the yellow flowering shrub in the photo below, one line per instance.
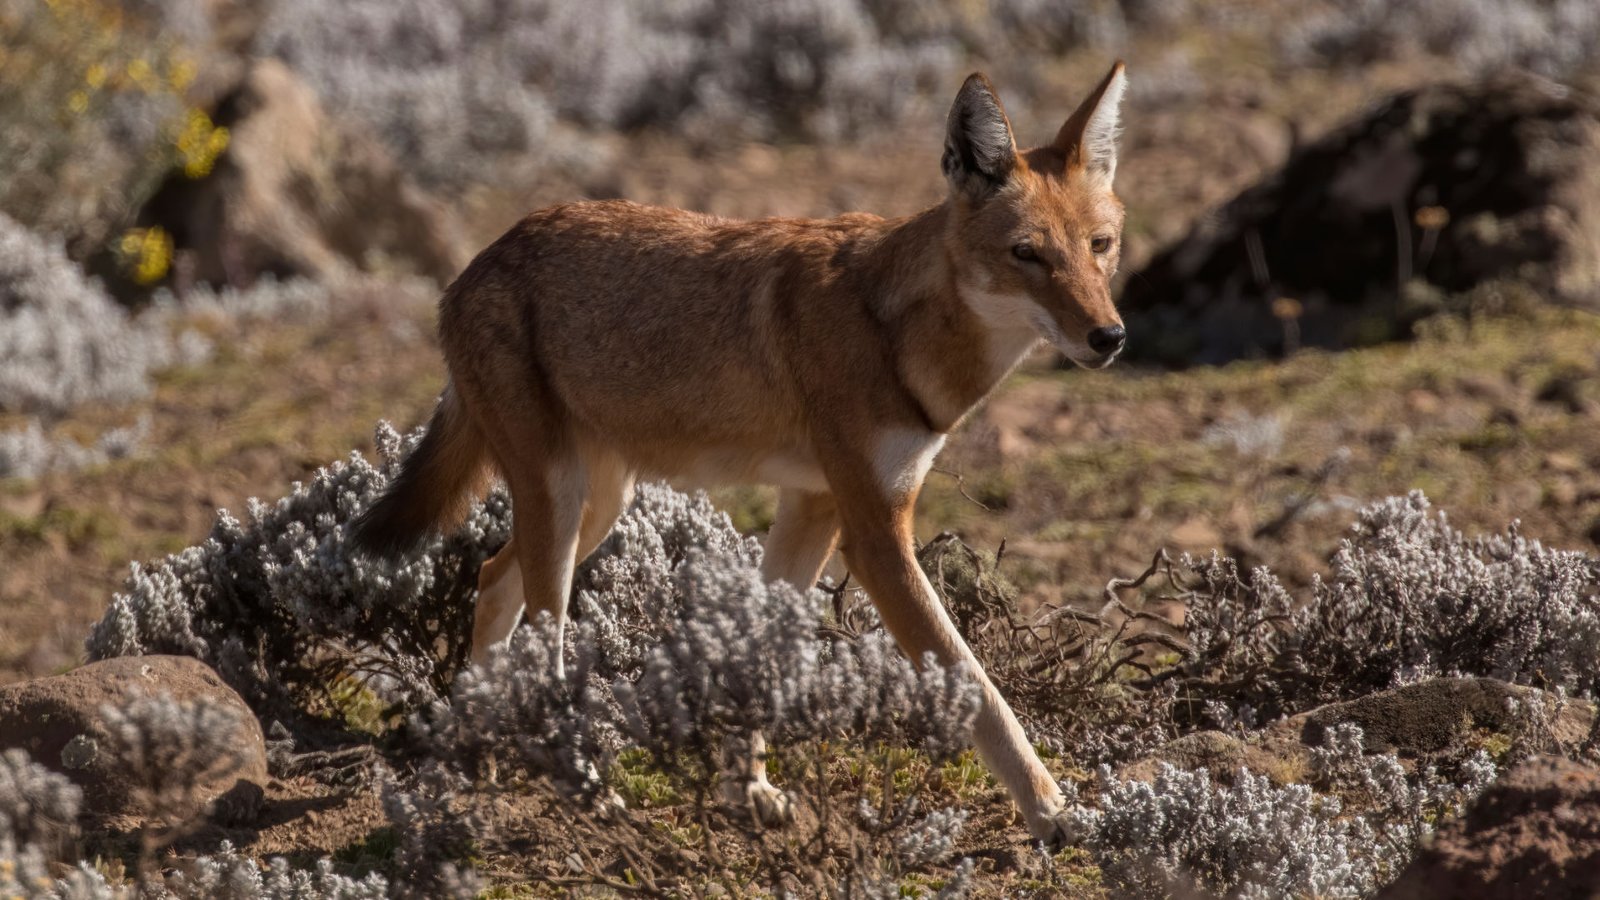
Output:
(199, 143)
(93, 117)
(145, 254)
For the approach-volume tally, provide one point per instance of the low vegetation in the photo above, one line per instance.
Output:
(678, 645)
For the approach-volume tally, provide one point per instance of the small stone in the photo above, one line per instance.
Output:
(80, 752)
(1567, 463)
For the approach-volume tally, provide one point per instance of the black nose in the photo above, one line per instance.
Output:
(1108, 339)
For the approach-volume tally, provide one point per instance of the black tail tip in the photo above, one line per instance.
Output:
(376, 534)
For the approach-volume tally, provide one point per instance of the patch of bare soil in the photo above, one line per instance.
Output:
(1083, 474)
(277, 402)
(1535, 833)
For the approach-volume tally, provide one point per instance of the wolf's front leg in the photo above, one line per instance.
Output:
(879, 551)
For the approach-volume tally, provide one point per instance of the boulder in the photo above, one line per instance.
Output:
(1535, 833)
(1222, 756)
(1416, 721)
(59, 722)
(1433, 193)
(299, 193)
(1436, 716)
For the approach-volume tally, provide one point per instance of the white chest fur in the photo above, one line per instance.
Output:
(902, 456)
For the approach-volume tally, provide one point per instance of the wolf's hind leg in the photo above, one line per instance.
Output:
(798, 547)
(500, 602)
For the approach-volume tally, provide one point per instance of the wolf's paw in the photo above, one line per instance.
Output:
(609, 803)
(1055, 829)
(766, 805)
(603, 801)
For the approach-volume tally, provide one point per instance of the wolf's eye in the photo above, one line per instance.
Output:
(1025, 252)
(1100, 245)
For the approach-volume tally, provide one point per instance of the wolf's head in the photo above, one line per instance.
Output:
(1036, 234)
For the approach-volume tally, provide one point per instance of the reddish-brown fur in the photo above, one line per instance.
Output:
(598, 342)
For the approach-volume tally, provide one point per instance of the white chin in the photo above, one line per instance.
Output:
(1080, 355)
(1093, 362)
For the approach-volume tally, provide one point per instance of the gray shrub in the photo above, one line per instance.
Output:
(628, 590)
(63, 340)
(1552, 37)
(932, 838)
(435, 815)
(228, 875)
(1182, 831)
(745, 655)
(514, 715)
(36, 804)
(281, 609)
(456, 87)
(1407, 597)
(679, 642)
(1410, 594)
(29, 452)
(1250, 839)
(38, 826)
(25, 872)
(38, 829)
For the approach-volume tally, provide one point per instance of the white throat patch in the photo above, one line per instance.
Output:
(1013, 325)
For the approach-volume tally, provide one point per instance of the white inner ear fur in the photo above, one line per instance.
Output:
(988, 133)
(1101, 132)
(978, 123)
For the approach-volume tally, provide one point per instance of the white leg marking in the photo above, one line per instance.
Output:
(745, 786)
(499, 609)
(567, 485)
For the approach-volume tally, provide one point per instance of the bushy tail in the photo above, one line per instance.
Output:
(435, 484)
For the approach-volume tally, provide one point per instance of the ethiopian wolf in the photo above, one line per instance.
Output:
(599, 342)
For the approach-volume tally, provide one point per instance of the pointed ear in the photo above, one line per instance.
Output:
(1089, 139)
(979, 152)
